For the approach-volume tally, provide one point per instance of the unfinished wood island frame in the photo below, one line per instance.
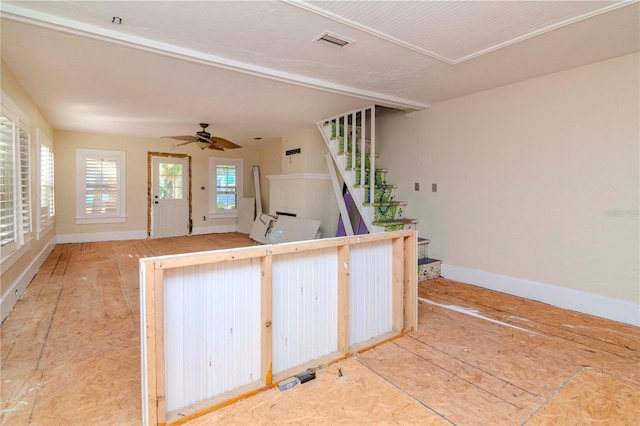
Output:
(220, 326)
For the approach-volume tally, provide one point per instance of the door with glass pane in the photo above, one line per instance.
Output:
(169, 197)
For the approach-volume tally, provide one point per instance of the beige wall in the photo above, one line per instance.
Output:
(536, 180)
(270, 156)
(311, 158)
(136, 157)
(24, 262)
(305, 192)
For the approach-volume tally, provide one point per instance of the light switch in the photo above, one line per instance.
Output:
(434, 187)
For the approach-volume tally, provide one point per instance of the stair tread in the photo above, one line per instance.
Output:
(386, 203)
(403, 221)
(386, 185)
(377, 169)
(365, 154)
(358, 140)
(423, 240)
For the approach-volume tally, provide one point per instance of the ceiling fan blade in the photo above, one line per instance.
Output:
(185, 143)
(182, 138)
(212, 145)
(224, 143)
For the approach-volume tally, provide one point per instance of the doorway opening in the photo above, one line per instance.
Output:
(168, 195)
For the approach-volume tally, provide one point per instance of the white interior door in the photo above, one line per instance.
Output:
(169, 197)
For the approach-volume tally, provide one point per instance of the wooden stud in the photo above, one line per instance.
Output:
(266, 298)
(397, 284)
(150, 330)
(191, 259)
(343, 299)
(411, 281)
(158, 282)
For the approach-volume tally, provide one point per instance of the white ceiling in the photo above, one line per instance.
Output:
(253, 70)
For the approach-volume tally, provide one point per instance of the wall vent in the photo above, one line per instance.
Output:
(333, 39)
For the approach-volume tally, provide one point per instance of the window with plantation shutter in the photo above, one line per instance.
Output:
(7, 184)
(225, 181)
(25, 186)
(15, 191)
(46, 201)
(101, 186)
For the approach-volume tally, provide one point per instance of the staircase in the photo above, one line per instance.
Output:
(351, 140)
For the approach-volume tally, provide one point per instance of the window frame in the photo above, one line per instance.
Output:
(21, 202)
(120, 213)
(45, 221)
(25, 217)
(214, 162)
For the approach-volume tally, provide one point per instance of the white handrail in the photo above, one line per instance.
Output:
(363, 146)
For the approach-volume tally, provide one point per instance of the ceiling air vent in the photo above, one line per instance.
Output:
(333, 39)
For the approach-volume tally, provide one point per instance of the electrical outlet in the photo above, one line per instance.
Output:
(417, 186)
(434, 187)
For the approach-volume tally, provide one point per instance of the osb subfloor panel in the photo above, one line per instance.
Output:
(343, 393)
(70, 354)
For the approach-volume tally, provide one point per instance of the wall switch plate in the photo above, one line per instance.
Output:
(417, 186)
(434, 187)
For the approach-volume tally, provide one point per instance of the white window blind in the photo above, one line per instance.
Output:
(101, 189)
(226, 183)
(46, 200)
(25, 187)
(226, 187)
(15, 192)
(101, 176)
(7, 183)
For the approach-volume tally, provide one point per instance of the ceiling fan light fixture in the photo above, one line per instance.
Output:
(204, 140)
(203, 144)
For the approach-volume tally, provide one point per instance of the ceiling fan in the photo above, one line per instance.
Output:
(204, 140)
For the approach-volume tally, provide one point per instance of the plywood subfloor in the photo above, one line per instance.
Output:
(356, 395)
(70, 354)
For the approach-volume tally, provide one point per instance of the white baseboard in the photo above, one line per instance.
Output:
(562, 297)
(18, 287)
(135, 235)
(220, 229)
(101, 236)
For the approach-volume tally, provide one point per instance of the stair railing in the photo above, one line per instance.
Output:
(354, 128)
